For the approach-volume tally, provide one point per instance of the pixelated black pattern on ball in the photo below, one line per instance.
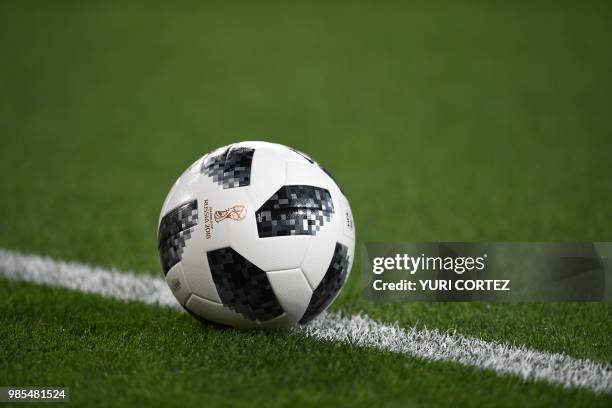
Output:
(242, 286)
(294, 210)
(174, 229)
(171, 250)
(290, 222)
(181, 218)
(212, 166)
(231, 168)
(299, 196)
(330, 284)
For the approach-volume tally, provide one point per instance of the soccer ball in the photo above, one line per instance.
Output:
(256, 234)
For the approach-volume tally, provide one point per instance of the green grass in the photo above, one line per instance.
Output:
(442, 122)
(110, 352)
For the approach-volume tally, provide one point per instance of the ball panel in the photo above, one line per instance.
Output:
(304, 173)
(281, 322)
(179, 194)
(267, 173)
(229, 166)
(294, 210)
(217, 313)
(274, 253)
(242, 286)
(197, 272)
(348, 224)
(299, 196)
(181, 218)
(292, 291)
(237, 167)
(212, 164)
(312, 161)
(268, 254)
(178, 284)
(171, 250)
(302, 155)
(321, 249)
(330, 285)
(174, 230)
(206, 236)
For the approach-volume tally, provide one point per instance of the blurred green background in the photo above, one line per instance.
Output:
(473, 121)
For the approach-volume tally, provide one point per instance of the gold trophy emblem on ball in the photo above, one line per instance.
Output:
(236, 213)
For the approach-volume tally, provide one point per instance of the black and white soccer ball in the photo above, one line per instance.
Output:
(256, 234)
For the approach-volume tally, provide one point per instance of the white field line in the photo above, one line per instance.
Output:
(358, 330)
